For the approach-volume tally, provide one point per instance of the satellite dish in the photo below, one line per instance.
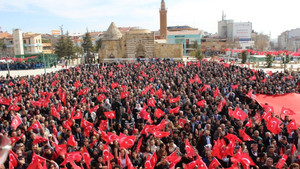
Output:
(5, 146)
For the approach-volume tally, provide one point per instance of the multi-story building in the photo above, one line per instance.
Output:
(186, 38)
(289, 40)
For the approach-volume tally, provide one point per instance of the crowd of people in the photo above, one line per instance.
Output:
(21, 66)
(156, 114)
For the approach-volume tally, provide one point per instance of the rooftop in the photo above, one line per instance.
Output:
(185, 32)
(112, 33)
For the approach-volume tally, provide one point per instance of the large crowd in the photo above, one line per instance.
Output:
(21, 66)
(156, 114)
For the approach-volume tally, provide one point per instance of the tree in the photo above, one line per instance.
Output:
(2, 44)
(244, 57)
(195, 44)
(61, 45)
(87, 43)
(69, 48)
(78, 50)
(287, 58)
(269, 60)
(97, 45)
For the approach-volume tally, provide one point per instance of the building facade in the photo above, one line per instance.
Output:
(289, 40)
(163, 20)
(185, 38)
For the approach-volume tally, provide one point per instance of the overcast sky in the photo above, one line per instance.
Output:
(42, 16)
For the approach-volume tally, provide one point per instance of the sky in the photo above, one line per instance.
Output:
(77, 16)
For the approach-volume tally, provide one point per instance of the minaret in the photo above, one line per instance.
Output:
(163, 20)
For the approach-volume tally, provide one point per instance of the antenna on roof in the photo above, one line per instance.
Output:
(223, 16)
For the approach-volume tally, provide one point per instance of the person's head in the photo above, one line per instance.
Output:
(21, 160)
(294, 166)
(271, 149)
(269, 162)
(47, 149)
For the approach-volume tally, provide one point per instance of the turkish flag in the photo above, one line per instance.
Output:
(124, 95)
(239, 114)
(100, 76)
(191, 165)
(78, 115)
(226, 65)
(36, 162)
(287, 111)
(15, 139)
(16, 122)
(145, 115)
(94, 109)
(22, 81)
(77, 84)
(11, 84)
(36, 103)
(174, 100)
(221, 104)
(197, 79)
(201, 103)
(86, 157)
(4, 101)
(103, 125)
(66, 124)
(54, 83)
(110, 114)
(126, 141)
(249, 124)
(83, 91)
(54, 130)
(182, 122)
(291, 126)
(158, 113)
(54, 112)
(191, 80)
(204, 88)
(39, 139)
(273, 125)
(101, 97)
(281, 162)
(35, 125)
(264, 80)
(216, 92)
(245, 160)
(13, 107)
(83, 100)
(91, 80)
(159, 93)
(190, 152)
(252, 78)
(71, 157)
(244, 136)
(161, 134)
(107, 156)
(153, 159)
(233, 138)
(86, 124)
(174, 110)
(139, 145)
(13, 158)
(114, 85)
(235, 86)
(147, 164)
(61, 149)
(214, 164)
(71, 140)
(151, 102)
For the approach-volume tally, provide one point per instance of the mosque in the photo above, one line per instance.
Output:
(139, 43)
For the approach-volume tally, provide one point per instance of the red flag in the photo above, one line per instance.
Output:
(159, 93)
(204, 88)
(201, 103)
(151, 102)
(22, 81)
(15, 139)
(268, 108)
(244, 136)
(213, 164)
(83, 91)
(54, 112)
(77, 84)
(126, 141)
(94, 109)
(35, 125)
(174, 110)
(190, 152)
(161, 134)
(226, 65)
(273, 125)
(245, 160)
(83, 100)
(39, 139)
(182, 122)
(54, 129)
(147, 164)
(71, 140)
(249, 124)
(158, 113)
(291, 126)
(281, 162)
(36, 162)
(11, 84)
(86, 156)
(4, 101)
(101, 97)
(174, 100)
(54, 83)
(110, 114)
(252, 78)
(16, 122)
(145, 115)
(114, 85)
(197, 79)
(191, 81)
(239, 114)
(216, 92)
(235, 86)
(103, 125)
(61, 149)
(124, 95)
(107, 156)
(233, 138)
(151, 79)
(287, 111)
(71, 157)
(13, 107)
(78, 115)
(67, 125)
(221, 104)
(129, 163)
(13, 158)
(264, 80)
(139, 145)
(153, 159)
(56, 76)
